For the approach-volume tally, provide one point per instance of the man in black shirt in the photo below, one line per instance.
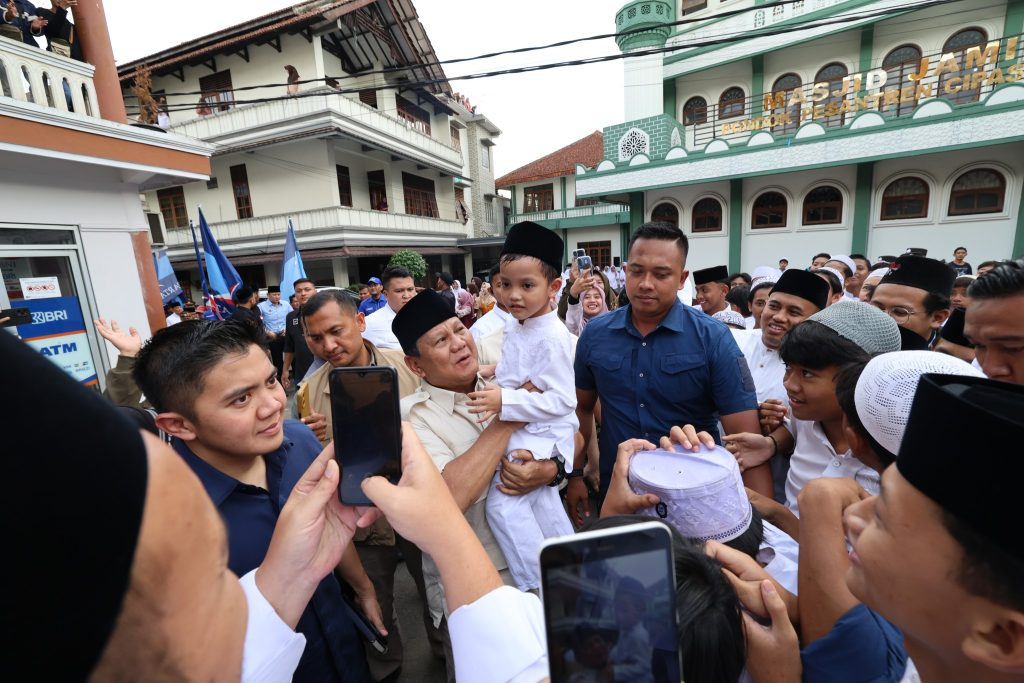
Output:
(295, 348)
(245, 307)
(444, 287)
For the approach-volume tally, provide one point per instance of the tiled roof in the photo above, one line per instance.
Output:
(588, 151)
(267, 24)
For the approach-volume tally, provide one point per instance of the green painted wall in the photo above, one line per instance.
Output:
(867, 47)
(1018, 237)
(1014, 23)
(658, 128)
(514, 212)
(624, 234)
(562, 183)
(735, 223)
(862, 207)
(636, 210)
(669, 89)
(757, 84)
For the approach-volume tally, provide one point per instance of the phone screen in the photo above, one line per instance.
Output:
(609, 601)
(367, 428)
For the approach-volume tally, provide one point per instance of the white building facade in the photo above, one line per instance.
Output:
(314, 119)
(825, 125)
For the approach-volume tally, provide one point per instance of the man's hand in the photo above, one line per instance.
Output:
(776, 513)
(770, 414)
(620, 499)
(577, 499)
(318, 423)
(486, 403)
(688, 437)
(64, 4)
(285, 379)
(750, 450)
(581, 285)
(38, 24)
(831, 493)
(368, 604)
(310, 536)
(10, 11)
(773, 652)
(127, 343)
(523, 474)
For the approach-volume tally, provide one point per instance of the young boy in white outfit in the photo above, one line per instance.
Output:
(537, 349)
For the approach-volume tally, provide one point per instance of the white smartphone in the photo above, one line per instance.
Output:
(610, 599)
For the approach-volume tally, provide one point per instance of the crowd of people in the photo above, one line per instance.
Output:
(857, 419)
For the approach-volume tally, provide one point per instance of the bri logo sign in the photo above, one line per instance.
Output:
(57, 331)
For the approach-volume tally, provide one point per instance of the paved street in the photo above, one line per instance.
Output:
(419, 666)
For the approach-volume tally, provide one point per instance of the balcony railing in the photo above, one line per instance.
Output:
(349, 114)
(574, 212)
(31, 74)
(782, 112)
(332, 217)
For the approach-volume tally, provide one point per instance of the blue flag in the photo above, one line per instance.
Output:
(221, 279)
(169, 287)
(291, 268)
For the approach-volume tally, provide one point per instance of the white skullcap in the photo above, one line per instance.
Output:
(842, 278)
(847, 261)
(701, 494)
(765, 271)
(730, 317)
(765, 279)
(880, 273)
(887, 386)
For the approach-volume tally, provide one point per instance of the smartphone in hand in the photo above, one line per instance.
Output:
(367, 428)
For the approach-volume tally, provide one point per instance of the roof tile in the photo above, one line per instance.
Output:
(588, 151)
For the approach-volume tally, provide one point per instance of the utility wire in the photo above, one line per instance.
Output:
(717, 40)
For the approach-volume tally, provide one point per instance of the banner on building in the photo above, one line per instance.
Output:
(169, 287)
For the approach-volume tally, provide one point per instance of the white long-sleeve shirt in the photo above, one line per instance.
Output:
(539, 350)
(272, 650)
(378, 329)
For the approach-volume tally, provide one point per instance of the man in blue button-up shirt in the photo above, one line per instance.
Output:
(218, 395)
(656, 363)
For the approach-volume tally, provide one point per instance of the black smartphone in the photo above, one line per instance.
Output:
(610, 599)
(367, 428)
(375, 638)
(18, 316)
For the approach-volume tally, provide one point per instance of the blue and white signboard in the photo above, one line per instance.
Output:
(58, 332)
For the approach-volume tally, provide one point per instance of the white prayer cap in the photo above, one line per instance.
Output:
(880, 273)
(701, 493)
(765, 271)
(842, 278)
(886, 388)
(730, 317)
(847, 261)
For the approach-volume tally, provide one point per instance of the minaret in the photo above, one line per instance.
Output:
(646, 23)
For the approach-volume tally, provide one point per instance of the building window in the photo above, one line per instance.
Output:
(823, 206)
(378, 188)
(587, 202)
(599, 252)
(665, 213)
(418, 117)
(695, 111)
(344, 185)
(485, 156)
(707, 216)
(368, 97)
(217, 93)
(691, 6)
(731, 104)
(959, 43)
(833, 74)
(980, 191)
(420, 199)
(785, 85)
(489, 211)
(905, 198)
(456, 140)
(240, 189)
(900, 64)
(461, 212)
(538, 198)
(769, 211)
(172, 206)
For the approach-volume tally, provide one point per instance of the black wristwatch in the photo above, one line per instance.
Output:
(560, 475)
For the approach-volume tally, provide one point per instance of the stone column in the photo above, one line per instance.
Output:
(91, 29)
(339, 265)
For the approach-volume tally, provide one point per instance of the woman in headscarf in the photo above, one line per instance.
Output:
(485, 302)
(586, 301)
(464, 304)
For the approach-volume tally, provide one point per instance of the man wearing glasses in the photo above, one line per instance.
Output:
(915, 293)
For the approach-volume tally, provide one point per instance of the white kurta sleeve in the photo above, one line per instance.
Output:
(272, 650)
(552, 373)
(500, 638)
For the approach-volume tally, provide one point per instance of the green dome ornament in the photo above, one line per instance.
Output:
(648, 23)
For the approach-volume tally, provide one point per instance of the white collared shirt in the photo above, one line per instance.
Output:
(780, 556)
(814, 457)
(272, 650)
(766, 367)
(378, 329)
(494, 319)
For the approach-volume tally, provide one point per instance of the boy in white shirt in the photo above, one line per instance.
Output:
(537, 349)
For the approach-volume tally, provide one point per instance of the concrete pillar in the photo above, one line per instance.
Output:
(642, 83)
(446, 263)
(272, 272)
(147, 280)
(341, 274)
(91, 29)
(467, 261)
